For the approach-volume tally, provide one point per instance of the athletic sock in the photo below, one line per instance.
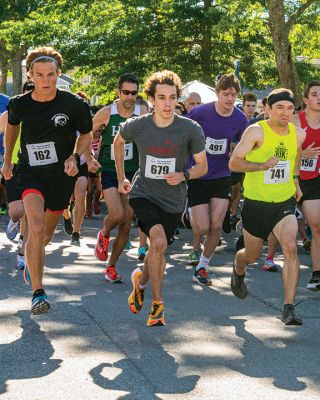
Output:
(141, 286)
(203, 263)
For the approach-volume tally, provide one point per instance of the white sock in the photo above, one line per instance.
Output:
(203, 263)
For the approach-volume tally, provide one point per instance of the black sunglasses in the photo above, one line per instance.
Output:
(127, 92)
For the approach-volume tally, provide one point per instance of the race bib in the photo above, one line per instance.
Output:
(280, 173)
(308, 164)
(128, 151)
(42, 154)
(216, 146)
(157, 167)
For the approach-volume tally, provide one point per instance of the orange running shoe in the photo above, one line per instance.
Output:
(101, 248)
(136, 298)
(111, 275)
(156, 317)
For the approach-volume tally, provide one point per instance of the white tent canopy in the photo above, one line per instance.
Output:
(207, 93)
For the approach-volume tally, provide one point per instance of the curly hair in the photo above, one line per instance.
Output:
(162, 78)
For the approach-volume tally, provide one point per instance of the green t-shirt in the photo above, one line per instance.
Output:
(106, 155)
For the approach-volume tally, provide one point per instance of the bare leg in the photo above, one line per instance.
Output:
(311, 210)
(286, 232)
(80, 203)
(155, 262)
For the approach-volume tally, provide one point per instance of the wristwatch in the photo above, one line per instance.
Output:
(186, 175)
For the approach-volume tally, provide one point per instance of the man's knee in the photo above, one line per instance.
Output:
(158, 243)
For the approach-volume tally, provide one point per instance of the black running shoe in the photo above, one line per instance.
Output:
(67, 226)
(289, 316)
(238, 285)
(226, 226)
(314, 283)
(39, 304)
(75, 239)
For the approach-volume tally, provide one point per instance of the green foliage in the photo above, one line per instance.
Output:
(198, 40)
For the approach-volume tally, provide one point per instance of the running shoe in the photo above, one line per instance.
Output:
(12, 229)
(156, 316)
(136, 298)
(88, 214)
(39, 304)
(21, 262)
(306, 244)
(111, 275)
(289, 316)
(96, 208)
(238, 285)
(128, 245)
(194, 257)
(75, 239)
(26, 275)
(201, 276)
(141, 253)
(270, 266)
(314, 283)
(101, 248)
(67, 226)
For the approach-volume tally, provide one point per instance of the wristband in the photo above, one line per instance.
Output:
(186, 175)
(296, 176)
(77, 157)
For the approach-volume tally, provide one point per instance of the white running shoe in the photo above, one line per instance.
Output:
(12, 229)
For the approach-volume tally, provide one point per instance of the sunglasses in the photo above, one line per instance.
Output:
(127, 92)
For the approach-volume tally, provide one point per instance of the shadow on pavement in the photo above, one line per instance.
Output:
(29, 356)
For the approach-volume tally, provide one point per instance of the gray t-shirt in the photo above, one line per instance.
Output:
(162, 150)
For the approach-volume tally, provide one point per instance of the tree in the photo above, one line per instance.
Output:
(281, 21)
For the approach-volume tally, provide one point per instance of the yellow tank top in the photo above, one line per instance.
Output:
(276, 184)
(16, 149)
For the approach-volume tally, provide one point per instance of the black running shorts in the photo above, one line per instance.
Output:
(200, 191)
(109, 179)
(237, 177)
(310, 189)
(259, 217)
(149, 215)
(56, 189)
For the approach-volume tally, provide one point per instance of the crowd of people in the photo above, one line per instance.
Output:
(160, 162)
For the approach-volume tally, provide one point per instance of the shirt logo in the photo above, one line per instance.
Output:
(281, 152)
(60, 120)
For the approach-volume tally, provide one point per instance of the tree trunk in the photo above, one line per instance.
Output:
(280, 34)
(4, 70)
(206, 44)
(17, 71)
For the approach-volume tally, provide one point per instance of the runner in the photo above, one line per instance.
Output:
(119, 212)
(269, 154)
(48, 158)
(192, 100)
(158, 193)
(309, 120)
(209, 196)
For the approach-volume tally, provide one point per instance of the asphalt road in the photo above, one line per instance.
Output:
(214, 346)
